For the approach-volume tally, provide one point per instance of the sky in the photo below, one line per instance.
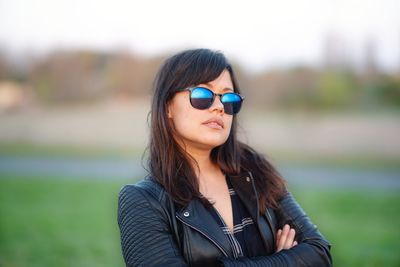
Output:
(257, 34)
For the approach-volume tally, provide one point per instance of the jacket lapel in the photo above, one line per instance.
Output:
(198, 218)
(244, 186)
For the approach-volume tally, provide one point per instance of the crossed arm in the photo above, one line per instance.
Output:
(308, 250)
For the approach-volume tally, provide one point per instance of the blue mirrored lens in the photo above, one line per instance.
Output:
(201, 98)
(232, 103)
(231, 97)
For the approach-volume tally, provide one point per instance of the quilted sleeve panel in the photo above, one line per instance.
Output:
(145, 236)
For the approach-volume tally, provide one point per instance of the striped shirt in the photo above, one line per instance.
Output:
(245, 238)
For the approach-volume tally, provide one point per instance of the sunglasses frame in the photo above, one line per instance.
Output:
(190, 89)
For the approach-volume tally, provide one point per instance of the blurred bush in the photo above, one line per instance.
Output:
(84, 75)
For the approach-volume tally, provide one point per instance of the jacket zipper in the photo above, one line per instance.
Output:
(215, 243)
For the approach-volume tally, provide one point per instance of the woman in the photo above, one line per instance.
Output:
(210, 200)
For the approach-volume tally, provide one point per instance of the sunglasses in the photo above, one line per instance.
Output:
(203, 98)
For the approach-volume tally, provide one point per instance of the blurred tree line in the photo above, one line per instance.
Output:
(85, 76)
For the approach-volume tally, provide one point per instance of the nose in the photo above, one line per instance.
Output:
(217, 104)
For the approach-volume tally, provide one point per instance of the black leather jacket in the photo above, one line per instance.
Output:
(155, 233)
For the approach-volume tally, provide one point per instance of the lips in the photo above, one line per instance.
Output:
(214, 123)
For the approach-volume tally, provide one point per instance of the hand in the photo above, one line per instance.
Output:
(285, 238)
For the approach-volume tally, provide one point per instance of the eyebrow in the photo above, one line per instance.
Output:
(225, 89)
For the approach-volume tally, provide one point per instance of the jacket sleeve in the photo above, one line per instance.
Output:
(313, 250)
(145, 236)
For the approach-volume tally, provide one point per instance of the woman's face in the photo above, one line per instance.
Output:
(191, 124)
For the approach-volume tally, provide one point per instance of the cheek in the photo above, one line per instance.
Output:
(184, 118)
(228, 122)
(182, 122)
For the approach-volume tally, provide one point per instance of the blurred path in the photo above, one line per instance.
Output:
(125, 169)
(124, 125)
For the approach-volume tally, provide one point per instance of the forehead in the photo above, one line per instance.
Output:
(222, 82)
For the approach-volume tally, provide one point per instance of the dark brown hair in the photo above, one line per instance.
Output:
(170, 165)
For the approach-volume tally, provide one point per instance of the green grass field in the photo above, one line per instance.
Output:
(60, 222)
(53, 222)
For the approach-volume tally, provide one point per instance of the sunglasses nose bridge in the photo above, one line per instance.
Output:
(215, 96)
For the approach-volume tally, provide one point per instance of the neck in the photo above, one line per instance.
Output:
(208, 173)
(203, 159)
(205, 170)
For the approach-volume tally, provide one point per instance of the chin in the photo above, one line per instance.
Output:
(215, 142)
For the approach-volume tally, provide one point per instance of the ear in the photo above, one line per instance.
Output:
(169, 113)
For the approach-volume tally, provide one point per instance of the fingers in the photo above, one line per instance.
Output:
(289, 238)
(281, 241)
(278, 236)
(285, 238)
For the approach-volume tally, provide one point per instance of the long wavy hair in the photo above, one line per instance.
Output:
(168, 162)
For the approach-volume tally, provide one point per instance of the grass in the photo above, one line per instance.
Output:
(59, 222)
(361, 226)
(27, 149)
(52, 222)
